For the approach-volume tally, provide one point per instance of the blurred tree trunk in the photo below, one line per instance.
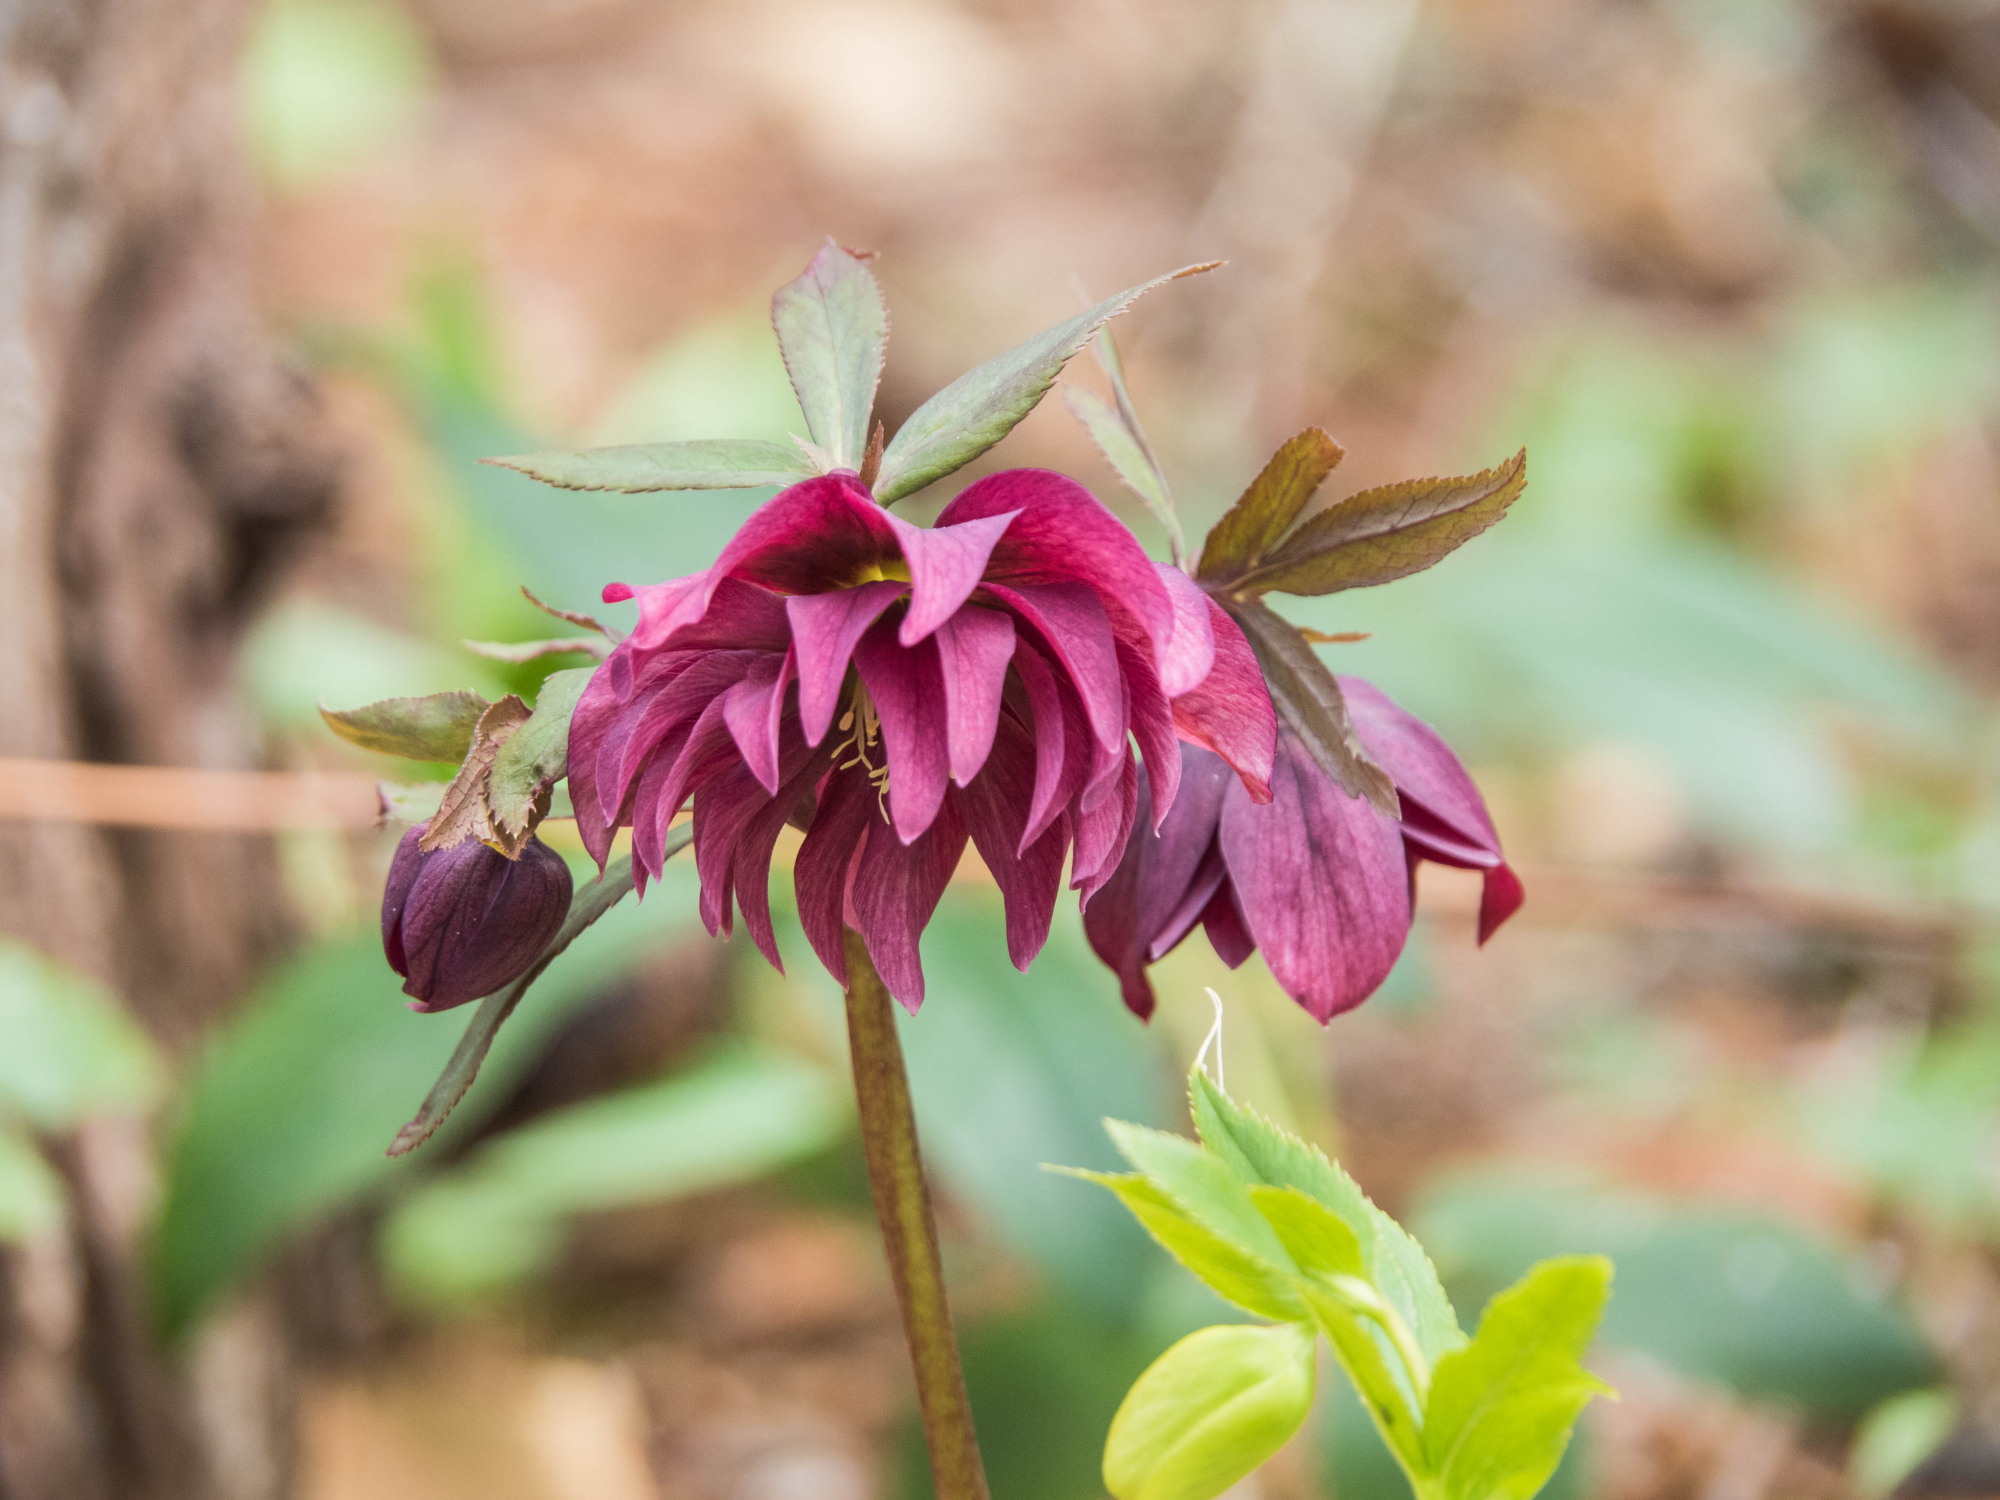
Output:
(156, 461)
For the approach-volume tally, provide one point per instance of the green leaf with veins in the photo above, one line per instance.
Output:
(833, 331)
(436, 727)
(1114, 427)
(536, 755)
(641, 468)
(983, 405)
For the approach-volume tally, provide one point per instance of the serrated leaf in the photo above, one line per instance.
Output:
(1204, 1188)
(641, 468)
(1319, 1241)
(436, 727)
(1277, 497)
(1383, 534)
(983, 405)
(534, 757)
(1114, 427)
(1232, 1273)
(833, 330)
(1259, 1153)
(462, 812)
(1309, 702)
(1501, 1408)
(1209, 1411)
(1375, 1373)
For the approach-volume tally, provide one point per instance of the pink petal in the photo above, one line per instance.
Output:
(1075, 631)
(994, 808)
(1061, 755)
(895, 889)
(909, 701)
(1230, 711)
(1321, 883)
(1152, 727)
(747, 710)
(974, 647)
(595, 709)
(1190, 649)
(945, 564)
(821, 533)
(845, 822)
(825, 628)
(1064, 534)
(1103, 829)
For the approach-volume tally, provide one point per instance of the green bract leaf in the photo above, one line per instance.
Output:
(1232, 1273)
(640, 468)
(1258, 1152)
(1276, 498)
(526, 651)
(1119, 437)
(1501, 1408)
(982, 406)
(1383, 534)
(437, 727)
(67, 1048)
(1209, 1411)
(1309, 701)
(833, 330)
(534, 757)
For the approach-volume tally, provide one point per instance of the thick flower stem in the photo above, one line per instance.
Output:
(909, 1233)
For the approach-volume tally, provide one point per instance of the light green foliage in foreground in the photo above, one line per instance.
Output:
(1273, 1226)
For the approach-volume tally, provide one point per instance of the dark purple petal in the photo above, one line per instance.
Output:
(1190, 649)
(1064, 534)
(946, 564)
(1102, 830)
(1228, 935)
(736, 827)
(657, 722)
(1230, 711)
(974, 647)
(994, 808)
(1320, 880)
(1152, 726)
(467, 920)
(1062, 755)
(895, 889)
(843, 823)
(1124, 919)
(909, 701)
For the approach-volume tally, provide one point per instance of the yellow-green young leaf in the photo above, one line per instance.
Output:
(641, 468)
(1317, 1239)
(1376, 1373)
(1209, 1411)
(1204, 1188)
(1258, 1153)
(1309, 701)
(1501, 1408)
(1384, 534)
(536, 755)
(437, 727)
(1231, 1272)
(833, 330)
(1252, 527)
(983, 405)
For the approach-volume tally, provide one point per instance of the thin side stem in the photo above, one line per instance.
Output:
(909, 1232)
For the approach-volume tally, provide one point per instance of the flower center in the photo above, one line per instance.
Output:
(863, 728)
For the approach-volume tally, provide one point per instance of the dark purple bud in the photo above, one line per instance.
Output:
(462, 922)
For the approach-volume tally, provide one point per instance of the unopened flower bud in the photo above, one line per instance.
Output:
(460, 923)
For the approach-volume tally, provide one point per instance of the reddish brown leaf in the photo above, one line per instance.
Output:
(1240, 541)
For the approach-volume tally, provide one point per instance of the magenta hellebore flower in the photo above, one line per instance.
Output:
(1321, 881)
(460, 923)
(895, 690)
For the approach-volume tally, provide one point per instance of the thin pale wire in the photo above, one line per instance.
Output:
(1213, 1039)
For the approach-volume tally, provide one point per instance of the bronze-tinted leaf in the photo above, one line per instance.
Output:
(1383, 534)
(438, 727)
(462, 813)
(586, 622)
(1309, 702)
(1276, 498)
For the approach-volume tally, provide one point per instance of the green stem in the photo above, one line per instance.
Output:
(909, 1232)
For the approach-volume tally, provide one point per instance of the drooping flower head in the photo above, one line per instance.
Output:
(898, 690)
(1322, 881)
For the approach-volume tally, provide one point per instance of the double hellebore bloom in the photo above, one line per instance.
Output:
(1320, 880)
(896, 690)
(459, 923)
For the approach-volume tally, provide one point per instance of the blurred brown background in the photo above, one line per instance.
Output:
(273, 277)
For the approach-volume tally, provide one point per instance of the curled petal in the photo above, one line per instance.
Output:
(748, 711)
(1190, 649)
(946, 564)
(1062, 757)
(1152, 726)
(825, 630)
(1103, 828)
(908, 694)
(974, 648)
(844, 822)
(1076, 633)
(994, 808)
(895, 889)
